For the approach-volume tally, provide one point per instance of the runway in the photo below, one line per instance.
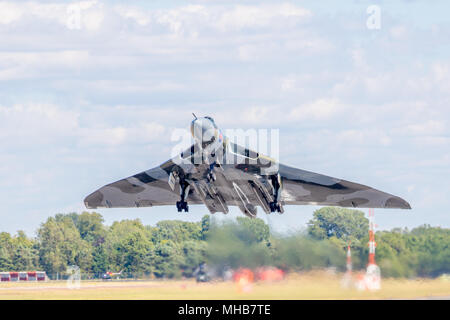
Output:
(310, 286)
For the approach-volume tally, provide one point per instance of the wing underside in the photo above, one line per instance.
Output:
(299, 187)
(146, 189)
(304, 187)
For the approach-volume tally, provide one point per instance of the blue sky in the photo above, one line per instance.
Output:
(80, 108)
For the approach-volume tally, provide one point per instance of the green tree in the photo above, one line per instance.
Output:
(239, 244)
(178, 231)
(194, 252)
(206, 222)
(6, 248)
(253, 230)
(100, 260)
(168, 259)
(132, 252)
(176, 248)
(301, 252)
(342, 223)
(60, 245)
(128, 246)
(91, 228)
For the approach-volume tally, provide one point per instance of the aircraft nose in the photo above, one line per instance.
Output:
(196, 129)
(203, 129)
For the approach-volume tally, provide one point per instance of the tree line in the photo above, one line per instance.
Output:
(173, 249)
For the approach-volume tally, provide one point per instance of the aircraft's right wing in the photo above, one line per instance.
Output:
(145, 189)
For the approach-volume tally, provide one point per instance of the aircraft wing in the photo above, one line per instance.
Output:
(299, 187)
(305, 187)
(145, 189)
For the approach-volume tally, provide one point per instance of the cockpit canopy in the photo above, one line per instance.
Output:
(211, 119)
(204, 130)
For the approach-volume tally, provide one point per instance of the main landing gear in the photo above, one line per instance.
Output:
(275, 205)
(182, 204)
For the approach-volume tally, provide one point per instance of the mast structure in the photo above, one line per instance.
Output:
(349, 260)
(372, 243)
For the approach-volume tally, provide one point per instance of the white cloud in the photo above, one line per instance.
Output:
(14, 12)
(260, 16)
(248, 52)
(116, 136)
(92, 19)
(9, 12)
(398, 32)
(135, 87)
(190, 19)
(319, 109)
(433, 141)
(424, 128)
(288, 83)
(141, 17)
(28, 124)
(18, 65)
(34, 124)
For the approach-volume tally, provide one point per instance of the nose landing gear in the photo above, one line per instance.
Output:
(275, 205)
(211, 176)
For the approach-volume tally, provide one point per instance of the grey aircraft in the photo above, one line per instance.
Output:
(219, 173)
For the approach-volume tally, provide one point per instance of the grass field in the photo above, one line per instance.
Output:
(314, 285)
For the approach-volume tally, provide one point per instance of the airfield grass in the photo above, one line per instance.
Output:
(312, 285)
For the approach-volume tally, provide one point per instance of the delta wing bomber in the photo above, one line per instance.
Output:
(218, 173)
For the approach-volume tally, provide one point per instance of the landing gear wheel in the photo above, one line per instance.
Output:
(182, 205)
(275, 206)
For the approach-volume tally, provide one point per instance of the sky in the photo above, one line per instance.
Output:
(91, 92)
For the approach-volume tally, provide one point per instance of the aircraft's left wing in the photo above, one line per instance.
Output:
(305, 187)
